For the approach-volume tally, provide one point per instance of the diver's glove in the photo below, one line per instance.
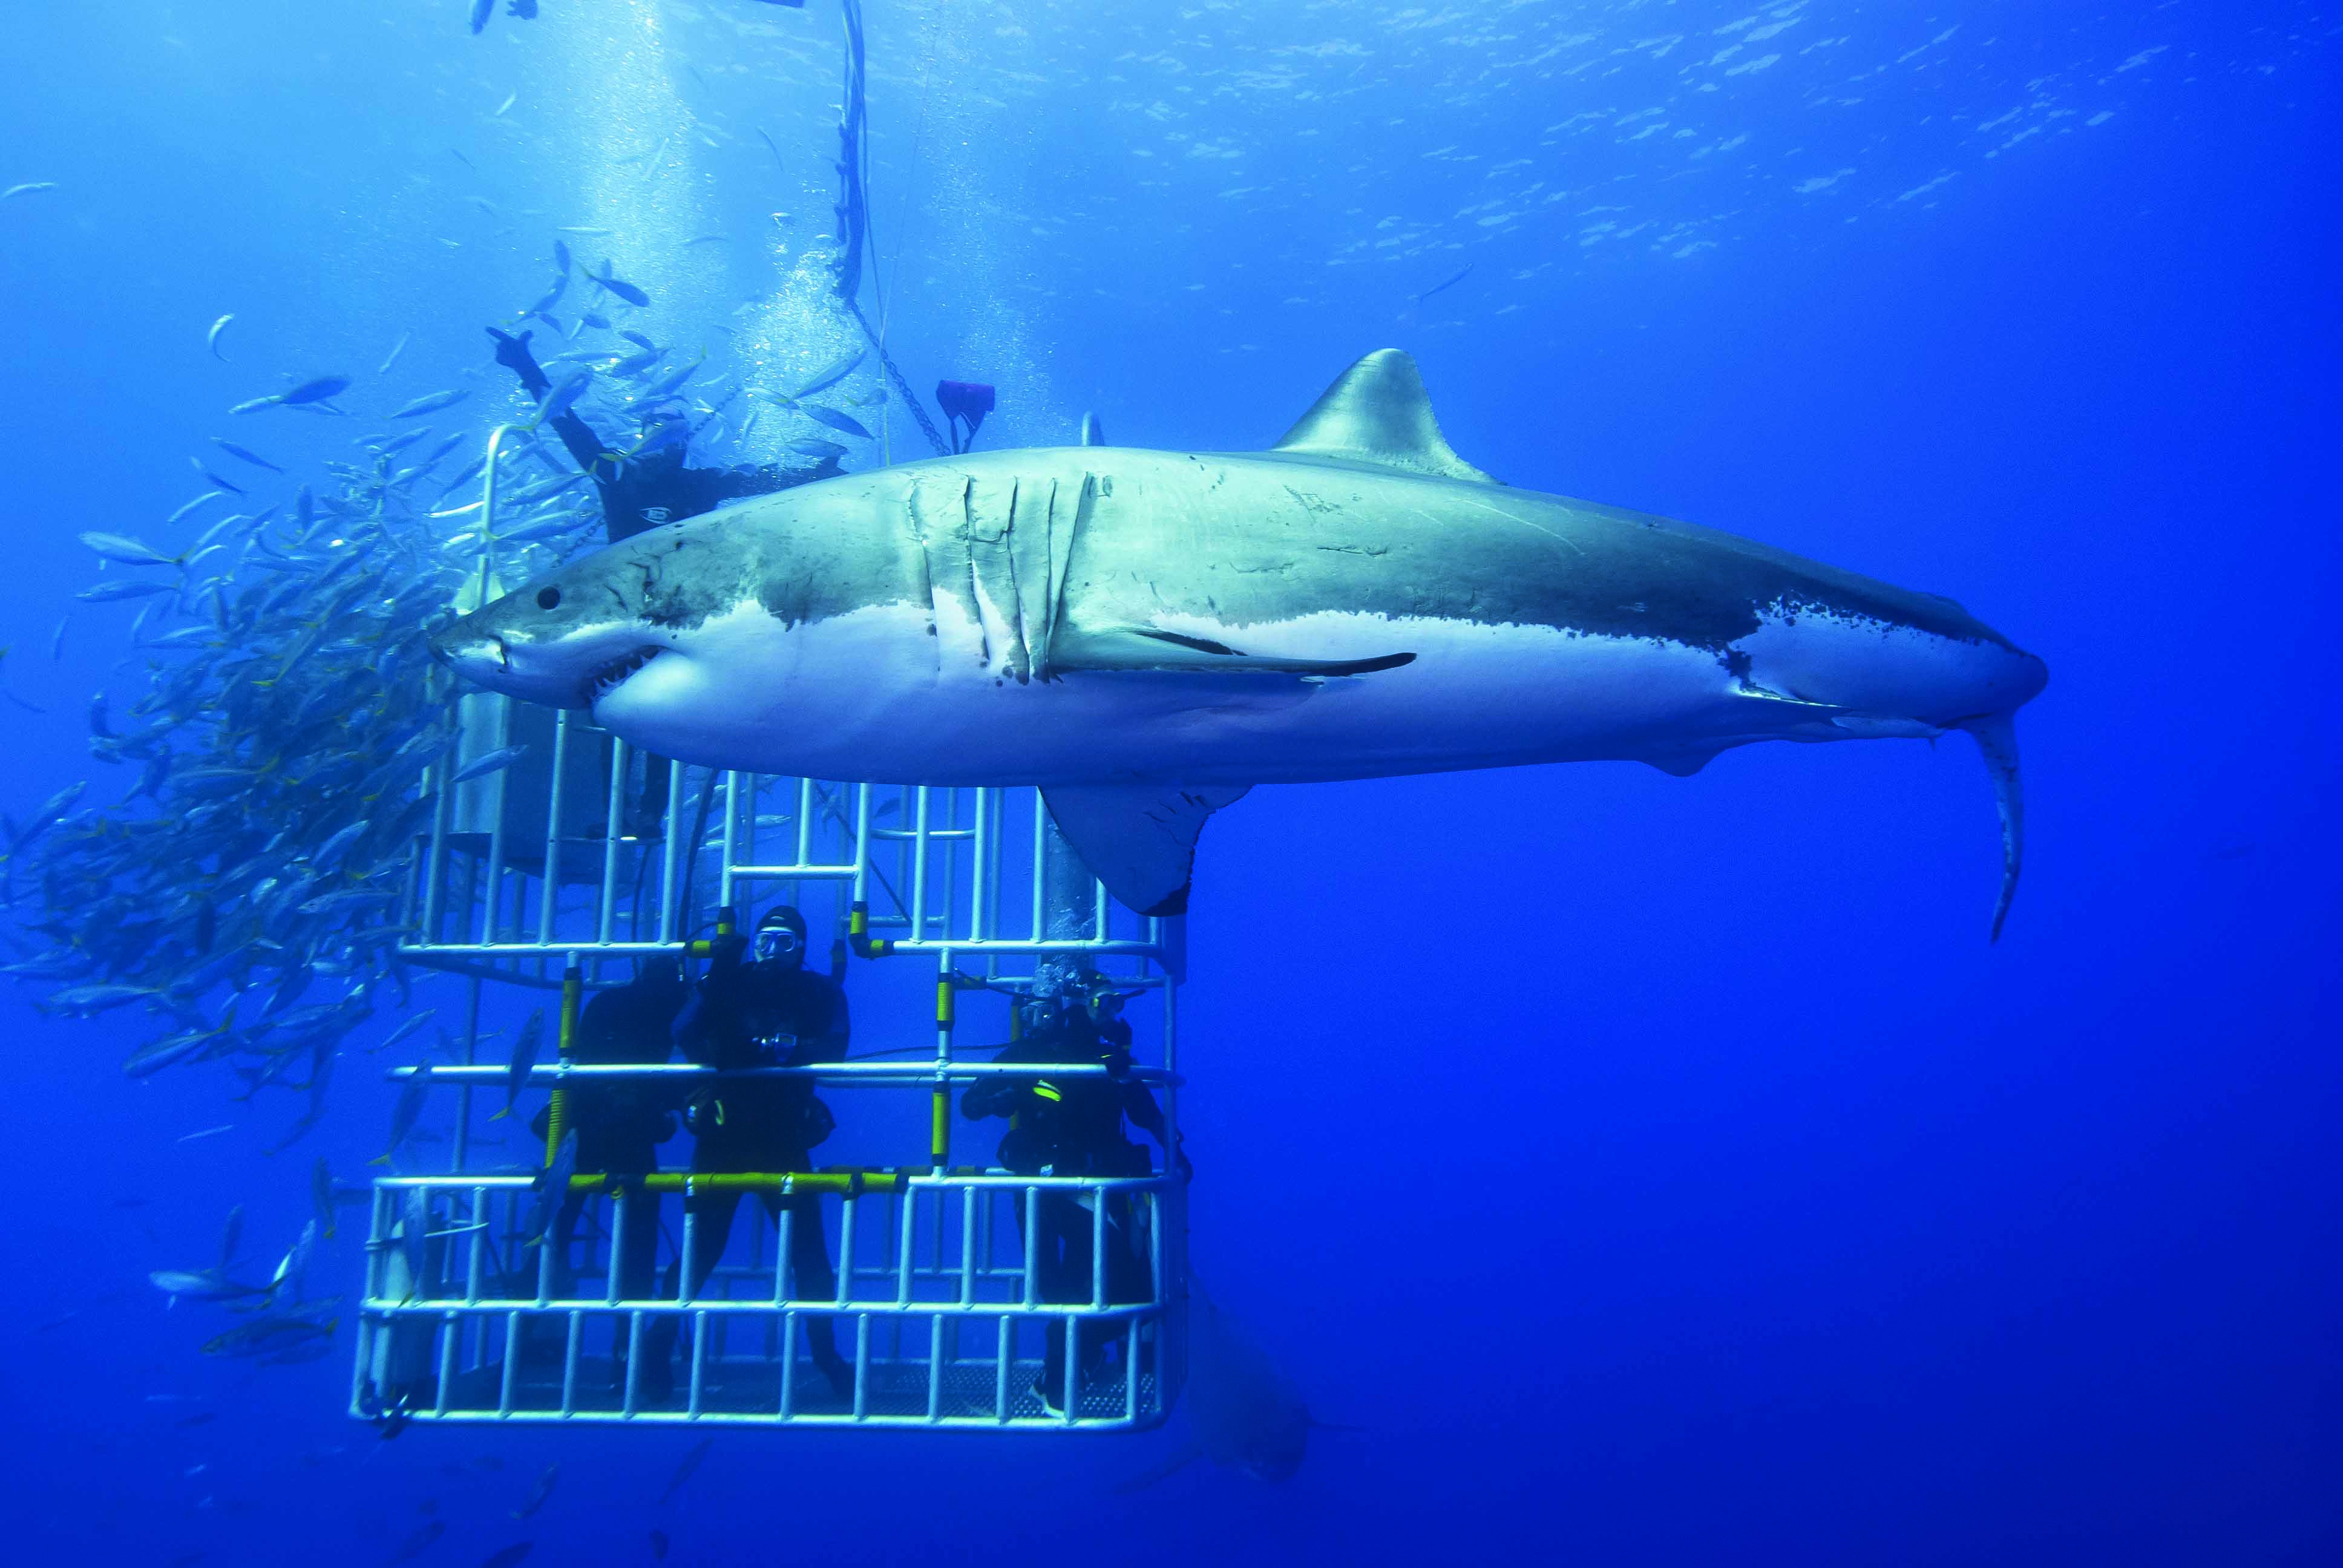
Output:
(513, 354)
(992, 1097)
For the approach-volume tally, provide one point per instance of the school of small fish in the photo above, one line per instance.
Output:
(237, 873)
(245, 887)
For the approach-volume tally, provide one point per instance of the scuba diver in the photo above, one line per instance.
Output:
(1073, 1126)
(620, 1124)
(650, 483)
(965, 404)
(770, 1011)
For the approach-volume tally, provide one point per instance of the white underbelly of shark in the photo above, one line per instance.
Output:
(865, 696)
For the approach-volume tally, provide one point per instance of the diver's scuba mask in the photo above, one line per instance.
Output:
(777, 942)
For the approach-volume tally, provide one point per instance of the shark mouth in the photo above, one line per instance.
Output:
(608, 678)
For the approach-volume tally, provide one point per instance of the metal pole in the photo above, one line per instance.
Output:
(967, 1243)
(862, 842)
(1043, 829)
(919, 865)
(613, 820)
(1098, 1250)
(805, 830)
(983, 867)
(557, 1118)
(460, 1147)
(435, 865)
(494, 787)
(731, 833)
(1032, 1291)
(670, 857)
(550, 882)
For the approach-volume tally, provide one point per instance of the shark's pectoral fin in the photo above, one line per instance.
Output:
(1997, 739)
(1683, 764)
(1131, 648)
(1139, 839)
(1180, 1458)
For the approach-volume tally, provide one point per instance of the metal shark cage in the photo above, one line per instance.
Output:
(581, 858)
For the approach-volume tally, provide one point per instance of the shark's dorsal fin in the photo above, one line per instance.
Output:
(1377, 412)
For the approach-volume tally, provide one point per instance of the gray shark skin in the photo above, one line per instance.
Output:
(1146, 634)
(1242, 1414)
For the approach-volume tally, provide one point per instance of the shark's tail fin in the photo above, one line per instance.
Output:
(1997, 739)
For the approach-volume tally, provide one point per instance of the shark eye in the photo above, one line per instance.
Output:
(548, 598)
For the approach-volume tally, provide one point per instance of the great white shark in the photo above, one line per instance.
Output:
(1146, 634)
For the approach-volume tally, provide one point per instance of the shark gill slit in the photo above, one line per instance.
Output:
(1021, 655)
(975, 588)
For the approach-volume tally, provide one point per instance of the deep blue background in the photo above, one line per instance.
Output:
(1654, 1170)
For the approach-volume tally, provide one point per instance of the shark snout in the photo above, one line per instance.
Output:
(474, 654)
(514, 666)
(473, 657)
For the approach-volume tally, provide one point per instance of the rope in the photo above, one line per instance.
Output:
(878, 277)
(854, 221)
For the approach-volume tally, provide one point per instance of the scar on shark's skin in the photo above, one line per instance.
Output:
(1357, 602)
(1514, 518)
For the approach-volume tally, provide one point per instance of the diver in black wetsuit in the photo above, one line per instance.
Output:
(620, 1124)
(772, 1011)
(1073, 1126)
(651, 483)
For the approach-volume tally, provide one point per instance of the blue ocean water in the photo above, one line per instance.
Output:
(1641, 1170)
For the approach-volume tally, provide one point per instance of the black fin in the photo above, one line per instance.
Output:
(1138, 648)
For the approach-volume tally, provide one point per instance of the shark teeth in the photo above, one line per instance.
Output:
(611, 675)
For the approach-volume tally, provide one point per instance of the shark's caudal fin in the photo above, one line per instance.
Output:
(1997, 739)
(1377, 412)
(1139, 839)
